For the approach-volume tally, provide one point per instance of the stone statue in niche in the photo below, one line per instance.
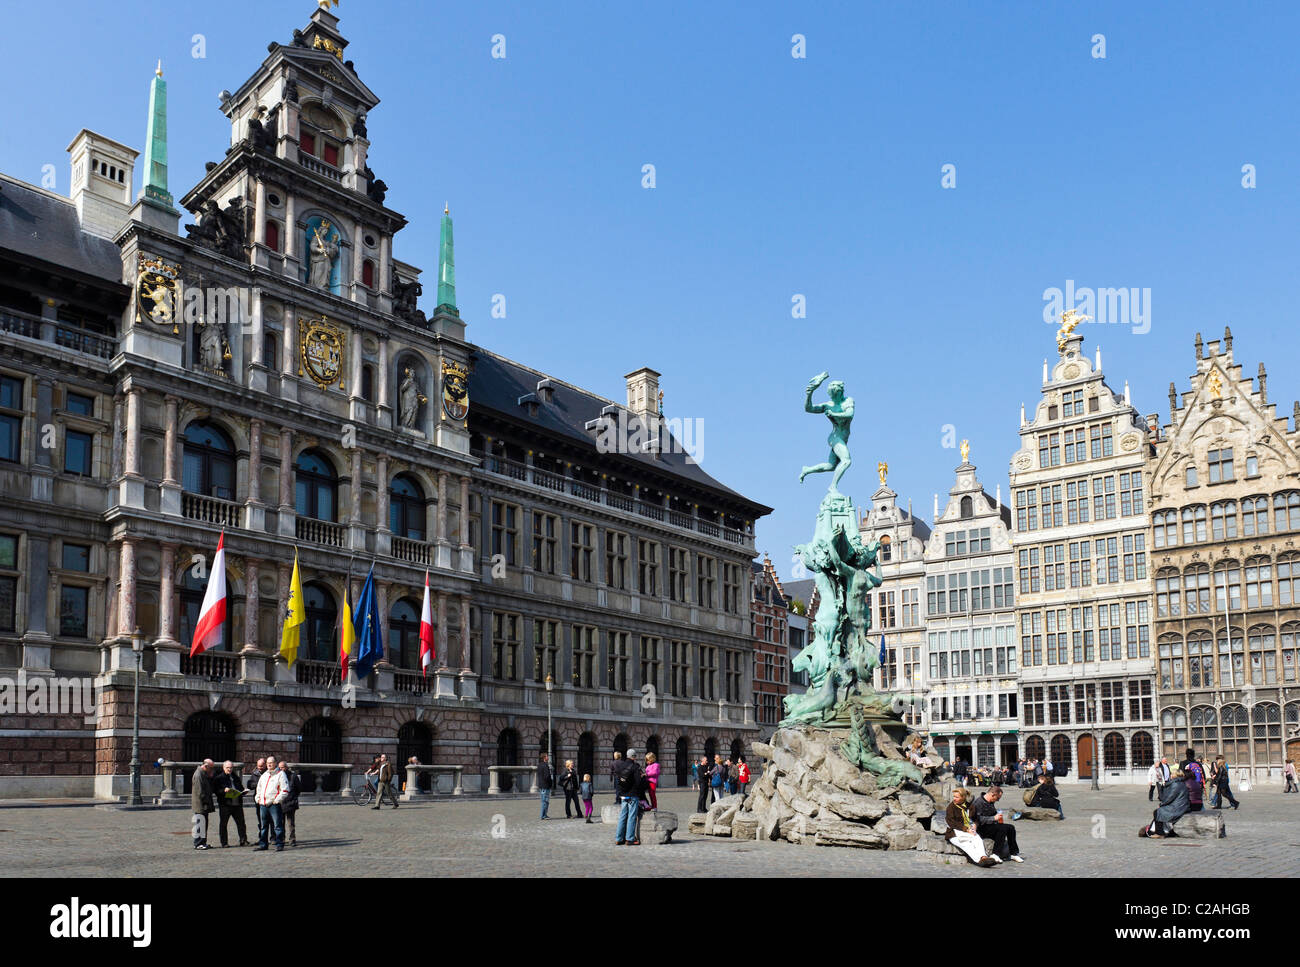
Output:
(324, 250)
(410, 399)
(212, 351)
(405, 295)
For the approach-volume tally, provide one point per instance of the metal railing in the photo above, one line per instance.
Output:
(211, 664)
(66, 334)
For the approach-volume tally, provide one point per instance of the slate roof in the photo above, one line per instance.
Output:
(44, 227)
(497, 383)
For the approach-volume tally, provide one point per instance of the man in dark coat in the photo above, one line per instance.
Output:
(230, 806)
(1174, 804)
(569, 782)
(627, 785)
(201, 802)
(703, 774)
(545, 780)
(1222, 784)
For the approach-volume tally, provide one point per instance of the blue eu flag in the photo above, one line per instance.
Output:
(369, 628)
(882, 648)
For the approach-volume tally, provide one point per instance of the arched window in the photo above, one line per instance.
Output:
(620, 743)
(406, 508)
(316, 486)
(1193, 524)
(1286, 511)
(737, 749)
(208, 735)
(1196, 589)
(192, 590)
(404, 634)
(208, 462)
(967, 508)
(1254, 516)
(1288, 583)
(1062, 754)
(1223, 519)
(1173, 731)
(710, 749)
(415, 739)
(1166, 528)
(652, 745)
(322, 741)
(322, 619)
(1114, 751)
(1205, 727)
(587, 755)
(1144, 750)
(1035, 748)
(507, 755)
(682, 761)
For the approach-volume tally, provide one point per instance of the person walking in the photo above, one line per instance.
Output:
(718, 778)
(627, 779)
(1289, 772)
(1222, 784)
(588, 791)
(229, 789)
(1194, 778)
(271, 794)
(702, 783)
(569, 782)
(544, 782)
(384, 782)
(652, 775)
(201, 802)
(1157, 778)
(293, 784)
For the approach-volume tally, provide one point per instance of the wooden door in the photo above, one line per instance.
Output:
(1087, 752)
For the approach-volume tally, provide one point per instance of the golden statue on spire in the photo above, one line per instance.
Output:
(1069, 319)
(326, 4)
(965, 451)
(882, 469)
(1215, 383)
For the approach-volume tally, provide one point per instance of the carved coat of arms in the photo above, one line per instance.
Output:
(158, 293)
(322, 348)
(455, 390)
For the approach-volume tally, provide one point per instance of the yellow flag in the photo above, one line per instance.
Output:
(294, 616)
(347, 638)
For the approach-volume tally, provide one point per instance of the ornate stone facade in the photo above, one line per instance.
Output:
(1083, 583)
(1225, 540)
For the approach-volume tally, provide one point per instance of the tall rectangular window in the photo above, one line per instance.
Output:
(1221, 466)
(731, 588)
(546, 650)
(679, 684)
(705, 583)
(8, 582)
(678, 574)
(647, 555)
(74, 608)
(651, 661)
(582, 548)
(584, 656)
(505, 531)
(708, 673)
(616, 560)
(505, 645)
(619, 660)
(11, 418)
(545, 527)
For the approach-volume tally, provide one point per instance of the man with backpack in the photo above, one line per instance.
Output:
(718, 778)
(627, 785)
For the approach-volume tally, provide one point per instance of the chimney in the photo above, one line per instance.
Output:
(103, 173)
(643, 392)
(1263, 386)
(545, 390)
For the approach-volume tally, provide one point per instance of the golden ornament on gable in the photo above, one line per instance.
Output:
(157, 291)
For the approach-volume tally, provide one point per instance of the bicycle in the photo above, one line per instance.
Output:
(366, 794)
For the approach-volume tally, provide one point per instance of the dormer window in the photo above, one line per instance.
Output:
(317, 145)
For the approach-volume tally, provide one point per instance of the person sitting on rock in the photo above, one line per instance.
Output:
(962, 830)
(1174, 804)
(917, 754)
(1046, 795)
(989, 824)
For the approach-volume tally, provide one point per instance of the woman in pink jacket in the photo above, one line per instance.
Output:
(652, 774)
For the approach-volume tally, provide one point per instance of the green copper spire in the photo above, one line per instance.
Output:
(446, 265)
(155, 144)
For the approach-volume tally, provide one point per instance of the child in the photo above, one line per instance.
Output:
(585, 790)
(652, 775)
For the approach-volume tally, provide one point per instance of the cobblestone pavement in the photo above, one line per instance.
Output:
(505, 838)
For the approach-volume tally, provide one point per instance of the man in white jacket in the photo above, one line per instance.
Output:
(272, 791)
(1157, 779)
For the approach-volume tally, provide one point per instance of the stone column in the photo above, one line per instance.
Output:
(117, 456)
(383, 534)
(259, 215)
(254, 507)
(466, 551)
(132, 491)
(170, 491)
(442, 549)
(468, 680)
(112, 592)
(167, 596)
(289, 362)
(290, 225)
(356, 529)
(257, 370)
(445, 683)
(42, 465)
(286, 511)
(358, 291)
(358, 408)
(252, 601)
(126, 603)
(384, 409)
(385, 272)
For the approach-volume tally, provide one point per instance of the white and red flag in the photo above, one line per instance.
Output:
(212, 616)
(426, 630)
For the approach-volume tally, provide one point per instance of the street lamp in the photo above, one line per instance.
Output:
(137, 646)
(550, 753)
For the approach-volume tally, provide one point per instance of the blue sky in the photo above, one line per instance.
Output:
(778, 176)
